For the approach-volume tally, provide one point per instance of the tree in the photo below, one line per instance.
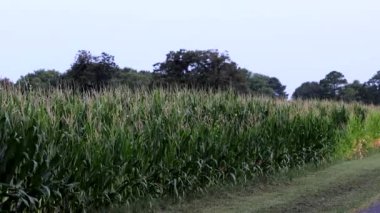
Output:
(353, 92)
(308, 90)
(91, 72)
(265, 85)
(332, 85)
(132, 78)
(200, 69)
(372, 90)
(40, 79)
(5, 83)
(278, 88)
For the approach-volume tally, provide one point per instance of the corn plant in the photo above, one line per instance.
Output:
(64, 151)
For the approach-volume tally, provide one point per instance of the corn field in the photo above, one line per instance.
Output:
(63, 151)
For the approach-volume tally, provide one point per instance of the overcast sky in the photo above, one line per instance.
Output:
(294, 40)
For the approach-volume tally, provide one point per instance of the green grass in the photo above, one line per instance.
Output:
(341, 187)
(66, 151)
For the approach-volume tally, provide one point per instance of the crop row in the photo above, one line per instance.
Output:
(61, 151)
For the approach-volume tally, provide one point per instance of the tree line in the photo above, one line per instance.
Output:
(194, 69)
(335, 87)
(198, 69)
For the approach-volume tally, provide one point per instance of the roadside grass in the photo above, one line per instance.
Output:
(194, 202)
(340, 186)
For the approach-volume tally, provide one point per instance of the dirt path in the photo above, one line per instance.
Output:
(349, 186)
(372, 209)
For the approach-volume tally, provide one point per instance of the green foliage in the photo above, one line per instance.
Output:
(353, 92)
(265, 85)
(40, 79)
(335, 87)
(361, 131)
(132, 78)
(200, 69)
(67, 152)
(91, 72)
(308, 90)
(332, 85)
(5, 84)
(371, 92)
(211, 69)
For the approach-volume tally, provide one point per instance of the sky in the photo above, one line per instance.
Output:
(293, 40)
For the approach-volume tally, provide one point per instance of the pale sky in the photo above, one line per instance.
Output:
(293, 40)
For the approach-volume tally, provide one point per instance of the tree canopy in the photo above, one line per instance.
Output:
(308, 90)
(265, 85)
(132, 78)
(371, 90)
(42, 79)
(91, 72)
(335, 87)
(5, 83)
(194, 69)
(200, 69)
(332, 85)
(211, 69)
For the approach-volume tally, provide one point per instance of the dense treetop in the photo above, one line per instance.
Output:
(198, 69)
(335, 87)
(194, 69)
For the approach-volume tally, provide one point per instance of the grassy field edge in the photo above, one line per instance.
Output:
(342, 186)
